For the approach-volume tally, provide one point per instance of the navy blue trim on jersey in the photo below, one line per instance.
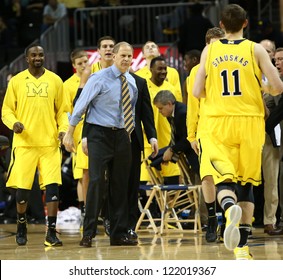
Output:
(232, 42)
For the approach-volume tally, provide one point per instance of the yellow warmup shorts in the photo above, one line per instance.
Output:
(82, 158)
(26, 160)
(77, 172)
(232, 149)
(204, 160)
(79, 159)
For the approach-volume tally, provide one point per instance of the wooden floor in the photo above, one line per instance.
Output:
(170, 246)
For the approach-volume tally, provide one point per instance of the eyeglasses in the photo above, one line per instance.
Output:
(278, 59)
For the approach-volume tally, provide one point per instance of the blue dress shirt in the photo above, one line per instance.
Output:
(101, 98)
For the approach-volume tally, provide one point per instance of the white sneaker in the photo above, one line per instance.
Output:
(232, 233)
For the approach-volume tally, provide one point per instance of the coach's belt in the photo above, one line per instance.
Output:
(115, 128)
(108, 127)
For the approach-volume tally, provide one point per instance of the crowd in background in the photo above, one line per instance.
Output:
(22, 21)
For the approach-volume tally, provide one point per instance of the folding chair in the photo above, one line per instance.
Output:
(152, 190)
(171, 200)
(146, 216)
(189, 179)
(176, 199)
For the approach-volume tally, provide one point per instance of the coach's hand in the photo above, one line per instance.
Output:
(68, 140)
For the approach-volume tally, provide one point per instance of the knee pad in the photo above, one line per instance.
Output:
(245, 193)
(226, 186)
(52, 193)
(22, 196)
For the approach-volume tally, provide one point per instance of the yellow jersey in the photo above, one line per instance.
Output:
(233, 82)
(195, 122)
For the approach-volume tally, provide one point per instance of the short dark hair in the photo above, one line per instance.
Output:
(32, 46)
(158, 58)
(104, 38)
(194, 53)
(233, 17)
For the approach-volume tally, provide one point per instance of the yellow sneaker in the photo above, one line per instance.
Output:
(231, 234)
(243, 253)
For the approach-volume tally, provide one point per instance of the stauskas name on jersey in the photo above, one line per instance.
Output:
(229, 58)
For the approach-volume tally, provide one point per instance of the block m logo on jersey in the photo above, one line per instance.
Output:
(34, 90)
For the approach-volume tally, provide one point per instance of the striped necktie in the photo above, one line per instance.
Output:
(173, 130)
(175, 156)
(127, 106)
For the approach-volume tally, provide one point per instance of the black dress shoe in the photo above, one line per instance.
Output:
(106, 224)
(132, 235)
(268, 228)
(123, 241)
(86, 241)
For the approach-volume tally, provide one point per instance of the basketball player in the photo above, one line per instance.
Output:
(79, 59)
(35, 109)
(229, 77)
(195, 125)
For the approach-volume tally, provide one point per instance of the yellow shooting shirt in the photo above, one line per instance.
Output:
(162, 126)
(96, 67)
(71, 86)
(70, 90)
(163, 131)
(172, 77)
(39, 104)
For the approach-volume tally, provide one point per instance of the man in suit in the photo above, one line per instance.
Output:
(110, 125)
(143, 117)
(176, 113)
(275, 118)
